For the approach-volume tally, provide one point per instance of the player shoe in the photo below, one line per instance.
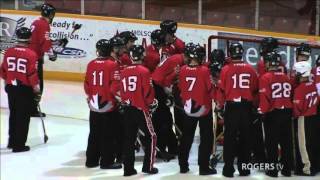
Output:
(130, 172)
(184, 169)
(207, 171)
(20, 149)
(37, 114)
(111, 166)
(152, 171)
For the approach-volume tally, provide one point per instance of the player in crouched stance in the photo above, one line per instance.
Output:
(19, 71)
(102, 74)
(137, 96)
(306, 101)
(196, 89)
(276, 105)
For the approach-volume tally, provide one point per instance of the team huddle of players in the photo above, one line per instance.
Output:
(131, 89)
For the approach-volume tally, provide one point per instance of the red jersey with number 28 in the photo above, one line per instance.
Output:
(305, 99)
(238, 81)
(196, 90)
(101, 78)
(275, 91)
(136, 87)
(19, 66)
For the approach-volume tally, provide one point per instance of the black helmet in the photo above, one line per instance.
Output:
(48, 11)
(103, 47)
(137, 52)
(169, 26)
(117, 41)
(128, 36)
(189, 49)
(157, 37)
(217, 57)
(199, 53)
(268, 44)
(318, 61)
(23, 34)
(273, 58)
(303, 49)
(236, 51)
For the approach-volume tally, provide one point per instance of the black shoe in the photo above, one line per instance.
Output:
(272, 174)
(300, 173)
(37, 114)
(184, 170)
(111, 166)
(9, 146)
(130, 172)
(286, 173)
(227, 172)
(152, 171)
(20, 149)
(92, 164)
(244, 173)
(207, 171)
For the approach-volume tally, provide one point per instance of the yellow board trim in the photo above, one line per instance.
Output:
(193, 26)
(63, 76)
(68, 76)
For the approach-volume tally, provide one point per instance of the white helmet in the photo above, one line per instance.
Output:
(302, 68)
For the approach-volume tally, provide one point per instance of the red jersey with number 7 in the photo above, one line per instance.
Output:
(196, 90)
(136, 87)
(238, 82)
(275, 91)
(19, 67)
(101, 77)
(306, 100)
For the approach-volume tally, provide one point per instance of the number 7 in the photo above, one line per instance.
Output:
(193, 81)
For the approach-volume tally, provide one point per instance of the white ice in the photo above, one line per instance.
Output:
(63, 157)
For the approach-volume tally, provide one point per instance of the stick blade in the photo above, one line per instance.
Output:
(46, 139)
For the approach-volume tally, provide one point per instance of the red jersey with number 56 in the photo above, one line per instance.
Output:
(275, 91)
(136, 87)
(238, 81)
(196, 90)
(19, 66)
(101, 78)
(306, 100)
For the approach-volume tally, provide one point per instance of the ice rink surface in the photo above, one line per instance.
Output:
(63, 157)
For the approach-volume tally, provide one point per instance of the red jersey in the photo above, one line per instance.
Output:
(101, 81)
(306, 100)
(275, 91)
(19, 66)
(40, 40)
(177, 47)
(124, 61)
(136, 87)
(316, 77)
(166, 71)
(262, 68)
(152, 58)
(238, 81)
(196, 90)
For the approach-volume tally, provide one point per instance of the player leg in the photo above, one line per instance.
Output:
(34, 110)
(271, 141)
(230, 141)
(206, 142)
(109, 128)
(286, 141)
(12, 115)
(119, 136)
(24, 97)
(311, 140)
(93, 147)
(145, 124)
(189, 128)
(130, 135)
(245, 138)
(257, 141)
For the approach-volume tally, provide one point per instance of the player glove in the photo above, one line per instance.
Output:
(63, 42)
(37, 97)
(153, 106)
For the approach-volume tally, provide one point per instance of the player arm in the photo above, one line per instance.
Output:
(32, 74)
(115, 81)
(264, 95)
(297, 104)
(147, 88)
(3, 69)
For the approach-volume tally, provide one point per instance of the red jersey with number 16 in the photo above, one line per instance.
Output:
(238, 81)
(19, 66)
(136, 87)
(101, 78)
(275, 91)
